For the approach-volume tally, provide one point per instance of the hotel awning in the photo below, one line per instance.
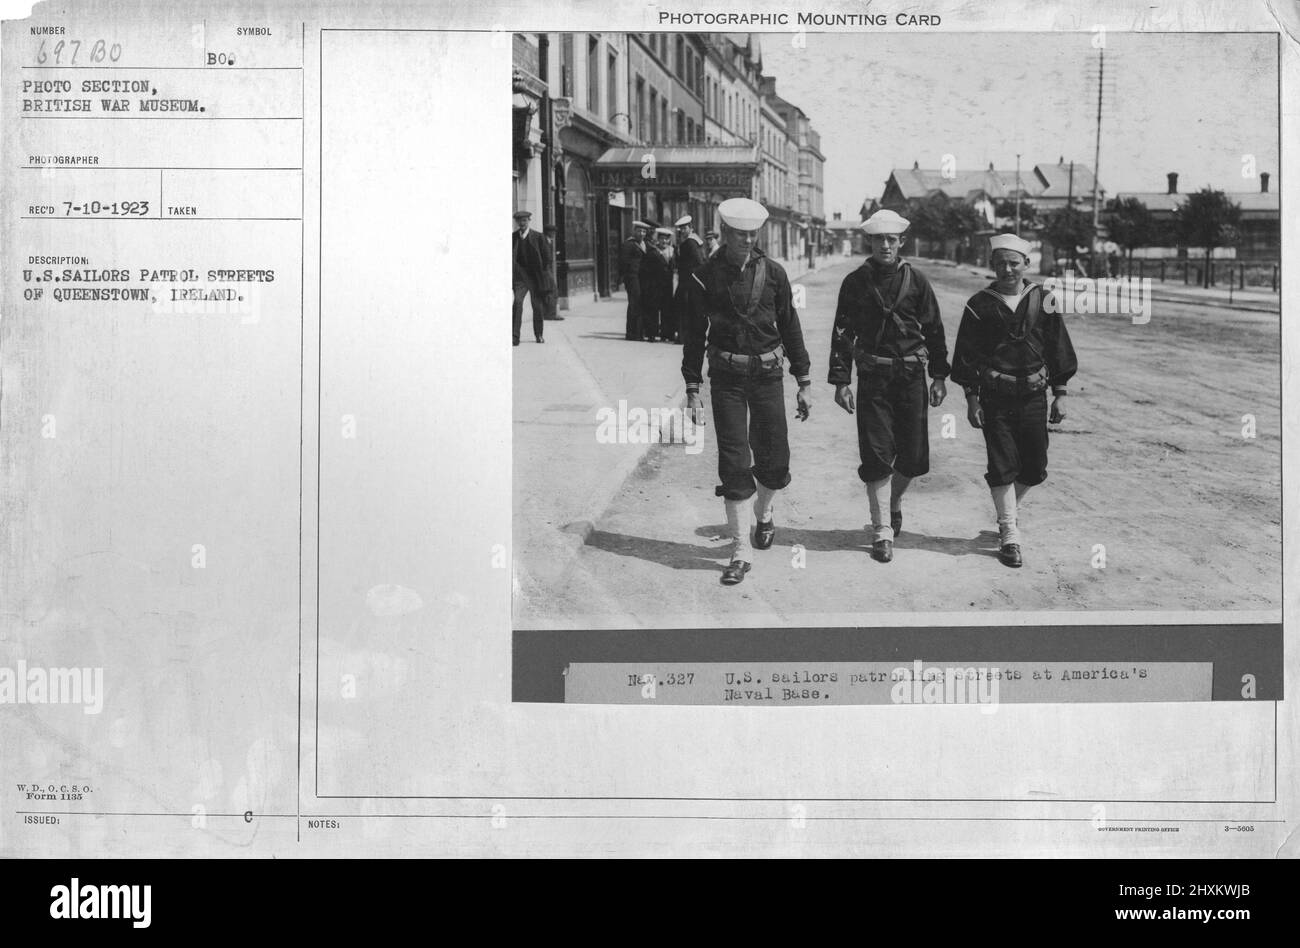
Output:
(720, 169)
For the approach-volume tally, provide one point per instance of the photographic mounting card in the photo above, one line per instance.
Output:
(303, 559)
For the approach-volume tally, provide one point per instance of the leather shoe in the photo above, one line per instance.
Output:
(882, 551)
(516, 342)
(1009, 554)
(896, 521)
(763, 534)
(734, 573)
(540, 339)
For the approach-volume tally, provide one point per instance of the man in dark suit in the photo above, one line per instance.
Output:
(690, 254)
(629, 268)
(531, 259)
(657, 286)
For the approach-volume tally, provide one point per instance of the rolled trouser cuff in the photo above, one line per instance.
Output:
(735, 491)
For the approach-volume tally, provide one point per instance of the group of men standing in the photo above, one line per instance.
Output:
(647, 265)
(1012, 346)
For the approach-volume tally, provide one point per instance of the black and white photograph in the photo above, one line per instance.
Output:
(825, 328)
(888, 458)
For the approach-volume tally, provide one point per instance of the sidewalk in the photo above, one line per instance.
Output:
(563, 476)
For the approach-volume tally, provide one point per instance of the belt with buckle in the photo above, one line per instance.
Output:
(1015, 384)
(901, 360)
(744, 361)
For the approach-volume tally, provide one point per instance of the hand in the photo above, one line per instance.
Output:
(938, 392)
(1058, 410)
(974, 414)
(804, 398)
(695, 408)
(844, 398)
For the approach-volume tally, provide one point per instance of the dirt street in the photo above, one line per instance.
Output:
(1150, 470)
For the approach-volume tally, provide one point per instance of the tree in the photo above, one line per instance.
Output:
(962, 222)
(1068, 227)
(926, 216)
(1208, 219)
(1006, 209)
(1130, 223)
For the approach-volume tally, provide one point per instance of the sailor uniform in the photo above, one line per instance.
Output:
(1010, 358)
(887, 324)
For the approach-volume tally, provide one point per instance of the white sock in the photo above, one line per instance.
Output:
(763, 504)
(878, 494)
(738, 527)
(1004, 501)
(898, 487)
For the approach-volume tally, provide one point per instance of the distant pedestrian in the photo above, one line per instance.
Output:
(710, 243)
(532, 259)
(656, 284)
(690, 255)
(630, 256)
(1012, 347)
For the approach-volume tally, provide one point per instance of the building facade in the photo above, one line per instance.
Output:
(616, 127)
(1260, 227)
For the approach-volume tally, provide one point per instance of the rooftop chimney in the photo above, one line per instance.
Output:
(1173, 182)
(1263, 182)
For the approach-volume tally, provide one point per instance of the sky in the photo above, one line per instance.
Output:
(1190, 103)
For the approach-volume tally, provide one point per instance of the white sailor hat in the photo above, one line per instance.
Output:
(642, 224)
(1009, 242)
(683, 221)
(742, 213)
(666, 231)
(885, 222)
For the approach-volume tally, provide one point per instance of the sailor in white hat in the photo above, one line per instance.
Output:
(1012, 346)
(887, 324)
(739, 309)
(690, 254)
(630, 255)
(885, 222)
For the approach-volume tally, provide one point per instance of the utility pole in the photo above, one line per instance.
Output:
(1096, 154)
(1017, 193)
(1069, 204)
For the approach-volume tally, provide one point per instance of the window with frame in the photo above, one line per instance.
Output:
(566, 65)
(593, 74)
(640, 109)
(611, 86)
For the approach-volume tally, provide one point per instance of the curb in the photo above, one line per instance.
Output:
(1218, 304)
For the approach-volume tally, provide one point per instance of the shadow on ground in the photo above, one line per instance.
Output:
(695, 556)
